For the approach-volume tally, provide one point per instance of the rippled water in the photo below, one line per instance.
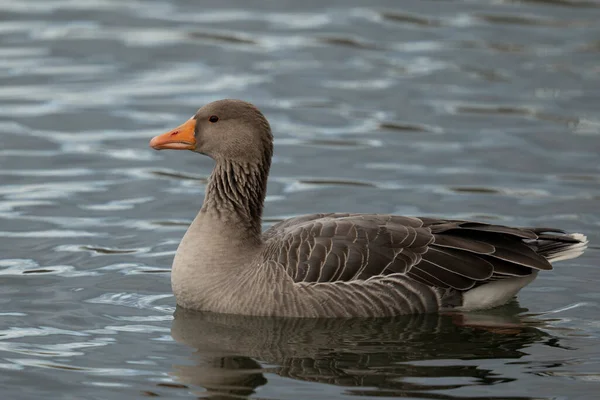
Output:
(470, 109)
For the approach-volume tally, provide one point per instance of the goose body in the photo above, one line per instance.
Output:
(334, 265)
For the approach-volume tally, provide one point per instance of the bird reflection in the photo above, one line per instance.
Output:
(396, 357)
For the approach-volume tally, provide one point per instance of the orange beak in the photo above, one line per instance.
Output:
(180, 138)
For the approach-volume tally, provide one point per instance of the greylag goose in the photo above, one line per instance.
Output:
(336, 264)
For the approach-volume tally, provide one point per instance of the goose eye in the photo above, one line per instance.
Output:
(213, 118)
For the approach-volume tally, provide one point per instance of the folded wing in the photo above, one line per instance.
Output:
(323, 248)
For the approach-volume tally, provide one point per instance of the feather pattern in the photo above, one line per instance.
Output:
(439, 253)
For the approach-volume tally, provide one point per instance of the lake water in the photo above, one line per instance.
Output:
(467, 109)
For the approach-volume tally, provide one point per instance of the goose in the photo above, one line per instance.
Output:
(334, 265)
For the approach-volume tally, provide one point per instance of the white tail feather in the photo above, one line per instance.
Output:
(495, 293)
(573, 251)
(499, 292)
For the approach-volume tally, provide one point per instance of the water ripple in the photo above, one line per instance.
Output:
(134, 300)
(472, 110)
(117, 372)
(52, 233)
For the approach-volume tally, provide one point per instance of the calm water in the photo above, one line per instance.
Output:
(466, 109)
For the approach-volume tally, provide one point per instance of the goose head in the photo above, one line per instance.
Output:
(225, 130)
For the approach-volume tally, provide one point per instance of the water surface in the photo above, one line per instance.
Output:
(462, 109)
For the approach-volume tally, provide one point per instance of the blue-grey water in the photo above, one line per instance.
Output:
(487, 110)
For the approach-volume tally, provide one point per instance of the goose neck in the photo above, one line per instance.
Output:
(235, 196)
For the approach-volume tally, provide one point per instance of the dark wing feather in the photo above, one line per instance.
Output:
(508, 246)
(517, 232)
(444, 275)
(440, 253)
(460, 262)
(457, 242)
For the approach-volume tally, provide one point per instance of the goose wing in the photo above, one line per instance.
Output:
(322, 248)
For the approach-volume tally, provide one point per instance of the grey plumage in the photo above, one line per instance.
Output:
(334, 265)
(441, 253)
